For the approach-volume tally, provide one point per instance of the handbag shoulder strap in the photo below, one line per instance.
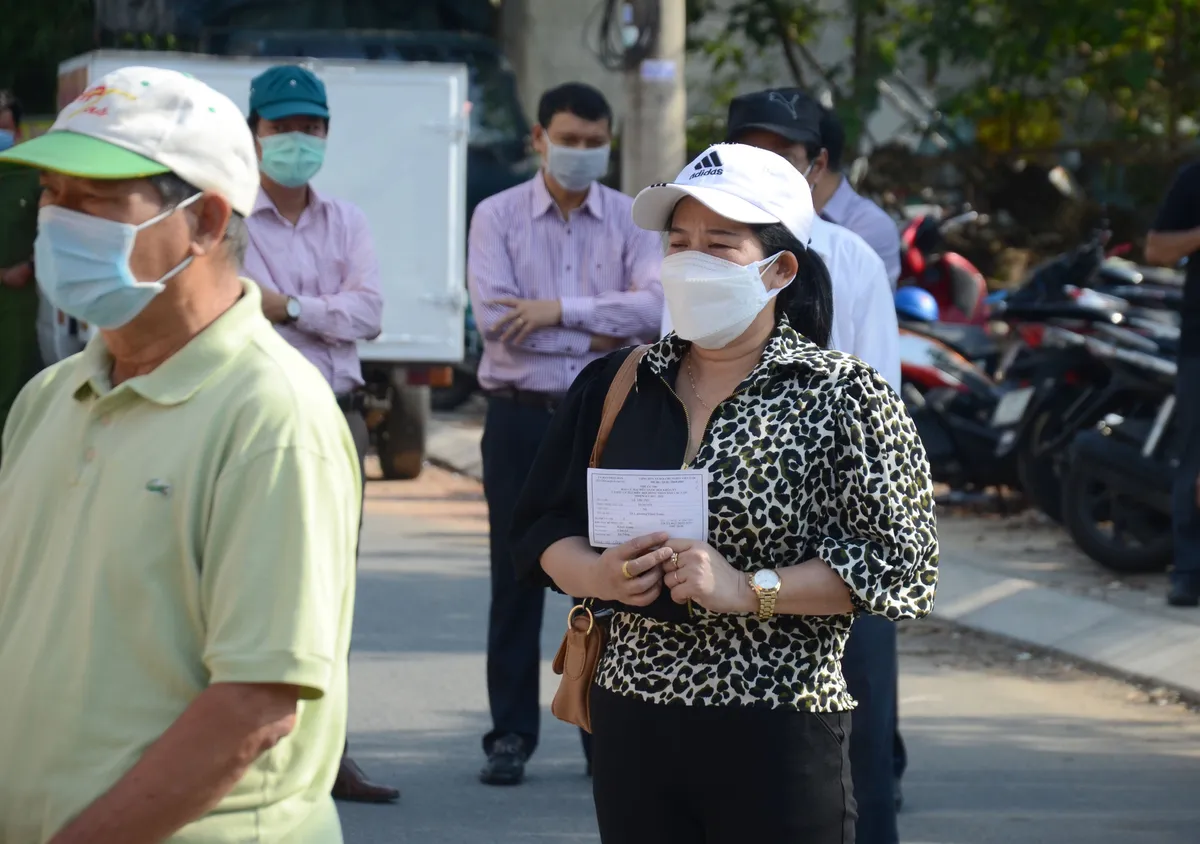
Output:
(618, 391)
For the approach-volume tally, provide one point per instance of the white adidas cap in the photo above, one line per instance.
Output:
(145, 121)
(741, 183)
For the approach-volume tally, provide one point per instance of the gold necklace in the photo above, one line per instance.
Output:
(695, 392)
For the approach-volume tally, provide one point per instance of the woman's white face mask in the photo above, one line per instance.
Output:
(713, 301)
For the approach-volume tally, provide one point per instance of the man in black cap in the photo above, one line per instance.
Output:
(833, 197)
(787, 121)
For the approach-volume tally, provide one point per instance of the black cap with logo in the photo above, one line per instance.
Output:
(788, 112)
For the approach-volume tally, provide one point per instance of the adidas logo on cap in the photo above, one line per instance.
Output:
(709, 165)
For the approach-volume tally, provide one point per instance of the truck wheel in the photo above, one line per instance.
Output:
(1114, 529)
(401, 441)
(457, 394)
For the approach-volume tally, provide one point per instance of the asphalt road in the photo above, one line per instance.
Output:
(1004, 747)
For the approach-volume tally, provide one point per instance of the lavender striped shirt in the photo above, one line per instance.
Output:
(602, 267)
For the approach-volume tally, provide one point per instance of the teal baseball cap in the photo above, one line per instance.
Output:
(288, 91)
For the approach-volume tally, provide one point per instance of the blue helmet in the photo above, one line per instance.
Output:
(916, 304)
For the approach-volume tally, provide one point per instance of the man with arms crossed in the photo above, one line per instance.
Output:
(180, 505)
(559, 275)
(788, 122)
(314, 259)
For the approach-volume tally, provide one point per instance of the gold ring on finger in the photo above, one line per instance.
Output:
(677, 580)
(675, 560)
(625, 570)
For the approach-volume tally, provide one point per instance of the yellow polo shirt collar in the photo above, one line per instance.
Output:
(183, 374)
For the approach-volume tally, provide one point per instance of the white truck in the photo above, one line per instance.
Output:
(398, 150)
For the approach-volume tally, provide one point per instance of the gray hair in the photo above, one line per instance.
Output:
(175, 190)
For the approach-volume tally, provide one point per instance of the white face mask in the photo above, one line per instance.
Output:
(713, 301)
(576, 169)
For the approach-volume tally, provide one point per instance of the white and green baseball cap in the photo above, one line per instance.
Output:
(144, 121)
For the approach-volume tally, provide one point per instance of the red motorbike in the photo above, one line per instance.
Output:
(959, 288)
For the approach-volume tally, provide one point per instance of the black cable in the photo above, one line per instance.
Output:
(605, 24)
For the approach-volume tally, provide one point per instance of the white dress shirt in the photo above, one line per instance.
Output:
(868, 221)
(864, 313)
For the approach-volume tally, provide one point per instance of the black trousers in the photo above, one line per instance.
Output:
(1185, 515)
(512, 435)
(871, 671)
(719, 775)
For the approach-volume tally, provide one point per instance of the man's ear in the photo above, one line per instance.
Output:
(540, 142)
(818, 167)
(212, 219)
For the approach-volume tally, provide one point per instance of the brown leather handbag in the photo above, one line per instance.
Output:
(582, 646)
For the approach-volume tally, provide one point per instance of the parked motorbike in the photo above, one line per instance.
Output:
(926, 261)
(1066, 389)
(952, 401)
(1117, 493)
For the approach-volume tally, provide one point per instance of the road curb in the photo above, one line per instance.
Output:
(1131, 644)
(1127, 643)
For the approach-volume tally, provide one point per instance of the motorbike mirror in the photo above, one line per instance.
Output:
(1063, 182)
(959, 221)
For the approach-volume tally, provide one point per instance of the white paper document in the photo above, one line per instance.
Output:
(624, 504)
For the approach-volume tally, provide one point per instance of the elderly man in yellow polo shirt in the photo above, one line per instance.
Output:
(179, 505)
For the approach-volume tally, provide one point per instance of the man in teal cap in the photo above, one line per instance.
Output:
(314, 259)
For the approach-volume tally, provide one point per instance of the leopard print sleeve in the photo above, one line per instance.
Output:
(881, 527)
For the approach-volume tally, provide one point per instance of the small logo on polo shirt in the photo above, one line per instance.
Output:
(709, 165)
(159, 486)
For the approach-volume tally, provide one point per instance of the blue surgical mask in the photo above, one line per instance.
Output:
(576, 169)
(293, 158)
(83, 265)
(7, 139)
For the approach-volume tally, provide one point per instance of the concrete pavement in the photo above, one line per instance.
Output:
(1004, 748)
(981, 590)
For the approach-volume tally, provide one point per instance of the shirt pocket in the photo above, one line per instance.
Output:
(332, 268)
(603, 269)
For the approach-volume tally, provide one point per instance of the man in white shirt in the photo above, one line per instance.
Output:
(838, 202)
(864, 315)
(788, 122)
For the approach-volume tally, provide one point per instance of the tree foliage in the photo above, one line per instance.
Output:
(737, 35)
(1038, 72)
(1093, 70)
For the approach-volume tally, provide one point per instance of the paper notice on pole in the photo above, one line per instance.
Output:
(624, 504)
(658, 70)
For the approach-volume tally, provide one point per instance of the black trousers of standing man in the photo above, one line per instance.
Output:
(870, 668)
(512, 434)
(1185, 575)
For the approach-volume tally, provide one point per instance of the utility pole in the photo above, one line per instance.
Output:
(654, 135)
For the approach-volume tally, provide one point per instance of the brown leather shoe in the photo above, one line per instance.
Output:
(352, 785)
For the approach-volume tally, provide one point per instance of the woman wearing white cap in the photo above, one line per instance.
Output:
(719, 712)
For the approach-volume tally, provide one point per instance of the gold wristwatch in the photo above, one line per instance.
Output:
(766, 584)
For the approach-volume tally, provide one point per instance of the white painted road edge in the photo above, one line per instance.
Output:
(1121, 641)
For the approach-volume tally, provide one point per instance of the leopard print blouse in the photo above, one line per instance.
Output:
(813, 455)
